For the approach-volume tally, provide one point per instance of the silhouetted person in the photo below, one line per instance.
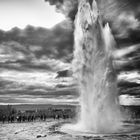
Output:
(12, 119)
(29, 118)
(19, 118)
(32, 118)
(3, 119)
(58, 116)
(23, 118)
(45, 117)
(54, 116)
(41, 117)
(9, 119)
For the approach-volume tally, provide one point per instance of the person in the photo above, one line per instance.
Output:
(9, 119)
(12, 118)
(3, 119)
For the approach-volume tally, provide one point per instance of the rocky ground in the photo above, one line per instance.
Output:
(49, 130)
(27, 131)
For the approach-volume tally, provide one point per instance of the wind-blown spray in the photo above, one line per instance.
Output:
(94, 71)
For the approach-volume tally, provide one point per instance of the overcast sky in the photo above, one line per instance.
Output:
(23, 12)
(35, 83)
(30, 59)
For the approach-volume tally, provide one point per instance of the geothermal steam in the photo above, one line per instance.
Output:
(93, 68)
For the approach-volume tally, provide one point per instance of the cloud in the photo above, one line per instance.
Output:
(37, 48)
(123, 17)
(126, 23)
(42, 40)
(33, 82)
(38, 97)
(31, 58)
(67, 7)
(127, 58)
(52, 64)
(129, 100)
(130, 76)
(129, 83)
(36, 87)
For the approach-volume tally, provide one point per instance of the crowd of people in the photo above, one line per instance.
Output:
(32, 117)
(22, 118)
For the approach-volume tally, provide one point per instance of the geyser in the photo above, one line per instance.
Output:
(95, 73)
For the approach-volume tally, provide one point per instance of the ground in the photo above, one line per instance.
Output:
(49, 130)
(27, 131)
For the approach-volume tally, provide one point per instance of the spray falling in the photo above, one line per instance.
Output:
(93, 68)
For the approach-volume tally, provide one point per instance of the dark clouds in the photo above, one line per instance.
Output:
(47, 49)
(67, 7)
(122, 15)
(124, 19)
(128, 58)
(27, 86)
(29, 61)
(37, 47)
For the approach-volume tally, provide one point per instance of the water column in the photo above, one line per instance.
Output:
(94, 71)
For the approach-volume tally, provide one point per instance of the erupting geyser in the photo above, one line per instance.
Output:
(94, 71)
